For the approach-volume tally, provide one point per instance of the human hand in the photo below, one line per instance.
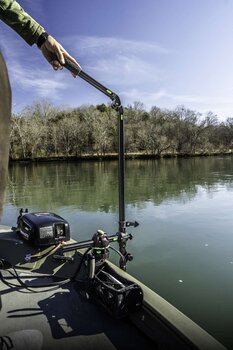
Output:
(55, 54)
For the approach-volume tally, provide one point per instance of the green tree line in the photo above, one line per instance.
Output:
(43, 130)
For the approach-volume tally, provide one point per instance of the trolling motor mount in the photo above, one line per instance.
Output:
(100, 248)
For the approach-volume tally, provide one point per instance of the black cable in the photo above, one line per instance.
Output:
(119, 253)
(24, 285)
(80, 264)
(54, 285)
(84, 256)
(8, 284)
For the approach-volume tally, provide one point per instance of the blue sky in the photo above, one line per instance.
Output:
(160, 52)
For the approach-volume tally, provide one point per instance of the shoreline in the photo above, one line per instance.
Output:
(114, 156)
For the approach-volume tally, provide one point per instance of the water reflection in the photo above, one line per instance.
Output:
(93, 186)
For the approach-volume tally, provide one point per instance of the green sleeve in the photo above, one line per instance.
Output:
(13, 15)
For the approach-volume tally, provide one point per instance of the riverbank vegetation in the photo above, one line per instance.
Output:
(44, 131)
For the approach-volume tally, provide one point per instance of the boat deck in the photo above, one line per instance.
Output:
(66, 318)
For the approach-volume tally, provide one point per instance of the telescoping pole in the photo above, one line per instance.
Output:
(121, 172)
(122, 235)
(116, 104)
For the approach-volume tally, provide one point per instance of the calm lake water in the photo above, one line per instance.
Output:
(183, 248)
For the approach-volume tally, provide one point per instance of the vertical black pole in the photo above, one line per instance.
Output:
(121, 171)
(116, 104)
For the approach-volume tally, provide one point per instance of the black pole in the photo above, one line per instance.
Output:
(116, 104)
(121, 172)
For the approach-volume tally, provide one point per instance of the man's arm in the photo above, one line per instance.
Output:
(14, 15)
(33, 33)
